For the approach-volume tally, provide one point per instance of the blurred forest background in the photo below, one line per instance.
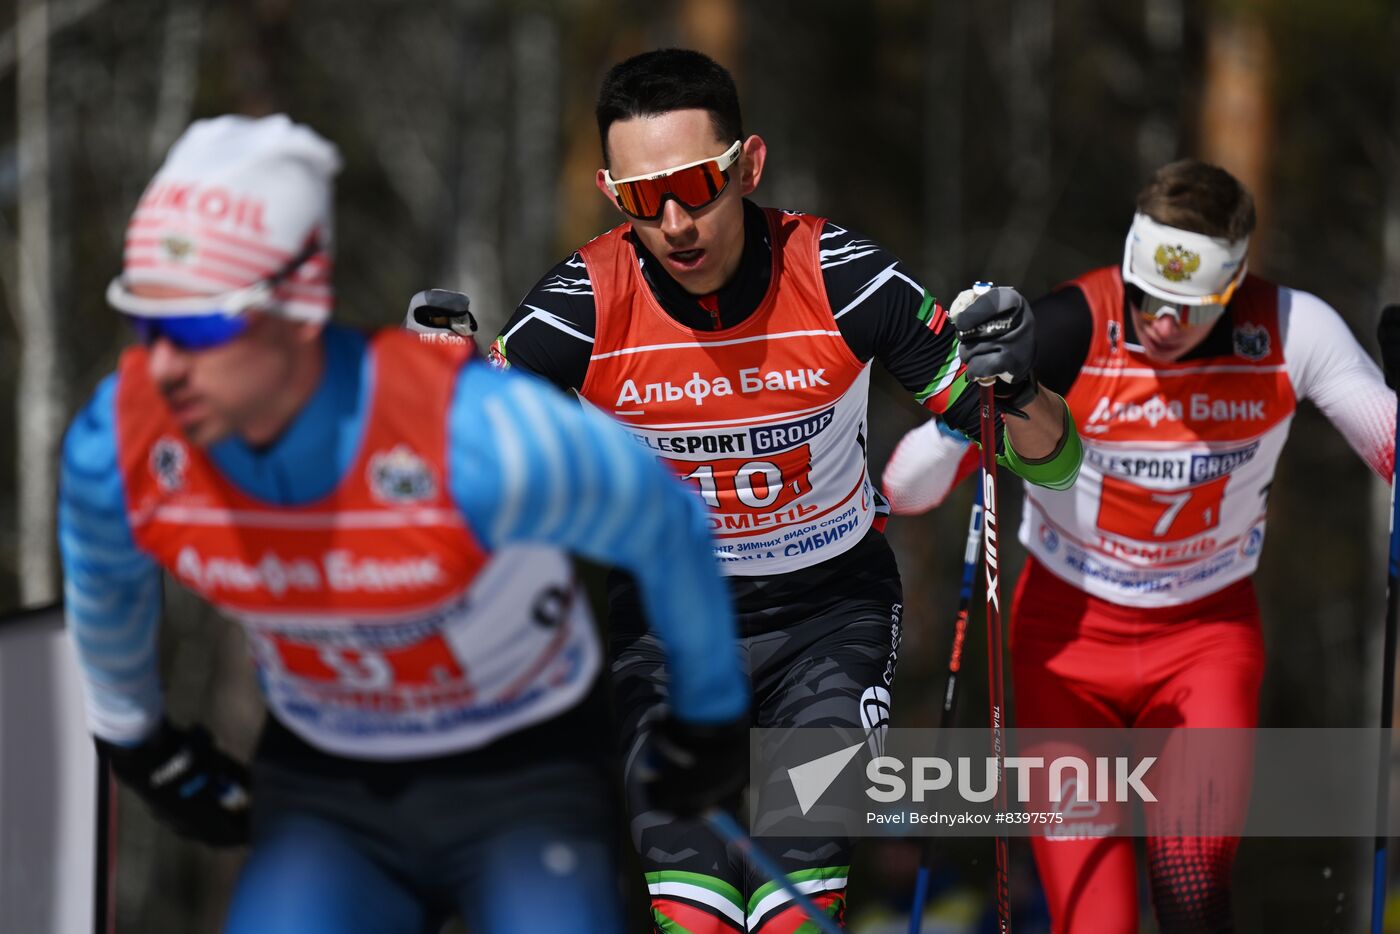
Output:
(1003, 140)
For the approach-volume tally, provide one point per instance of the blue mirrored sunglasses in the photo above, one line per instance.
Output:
(189, 332)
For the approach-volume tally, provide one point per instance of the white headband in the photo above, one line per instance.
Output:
(1182, 266)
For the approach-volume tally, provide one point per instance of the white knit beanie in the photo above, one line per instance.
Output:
(238, 200)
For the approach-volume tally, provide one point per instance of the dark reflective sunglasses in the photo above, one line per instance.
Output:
(693, 185)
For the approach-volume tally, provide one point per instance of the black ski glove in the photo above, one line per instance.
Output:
(1388, 333)
(693, 767)
(996, 334)
(187, 782)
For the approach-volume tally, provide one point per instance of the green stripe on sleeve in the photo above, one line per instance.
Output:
(926, 309)
(944, 377)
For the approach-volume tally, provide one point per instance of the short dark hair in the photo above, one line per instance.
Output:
(664, 80)
(1200, 197)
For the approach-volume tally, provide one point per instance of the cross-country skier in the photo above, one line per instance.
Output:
(1136, 607)
(734, 342)
(389, 521)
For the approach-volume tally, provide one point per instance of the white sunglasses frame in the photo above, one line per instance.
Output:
(725, 160)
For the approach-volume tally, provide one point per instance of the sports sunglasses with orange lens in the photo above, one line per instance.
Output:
(693, 185)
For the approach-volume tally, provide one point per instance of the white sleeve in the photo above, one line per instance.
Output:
(1327, 365)
(922, 469)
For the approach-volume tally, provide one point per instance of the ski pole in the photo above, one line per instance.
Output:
(1390, 320)
(104, 881)
(996, 689)
(950, 688)
(728, 830)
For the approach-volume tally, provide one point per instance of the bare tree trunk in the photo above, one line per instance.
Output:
(1237, 117)
(1159, 137)
(534, 162)
(784, 31)
(942, 156)
(39, 397)
(179, 67)
(475, 263)
(712, 27)
(583, 214)
(1026, 65)
(253, 60)
(594, 27)
(60, 16)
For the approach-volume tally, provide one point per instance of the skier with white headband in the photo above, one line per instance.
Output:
(1136, 607)
(389, 519)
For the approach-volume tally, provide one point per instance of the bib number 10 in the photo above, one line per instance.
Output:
(742, 485)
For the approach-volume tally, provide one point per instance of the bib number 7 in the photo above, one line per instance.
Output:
(1134, 512)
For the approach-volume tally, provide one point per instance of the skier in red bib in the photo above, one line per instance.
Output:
(734, 343)
(390, 520)
(1136, 607)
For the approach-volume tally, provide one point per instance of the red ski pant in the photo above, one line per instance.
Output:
(1078, 661)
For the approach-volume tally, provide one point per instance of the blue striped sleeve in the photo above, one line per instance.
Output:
(111, 590)
(529, 465)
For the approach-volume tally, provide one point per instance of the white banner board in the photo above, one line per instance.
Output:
(48, 781)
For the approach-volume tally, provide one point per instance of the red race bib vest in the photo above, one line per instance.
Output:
(380, 626)
(1178, 457)
(766, 419)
